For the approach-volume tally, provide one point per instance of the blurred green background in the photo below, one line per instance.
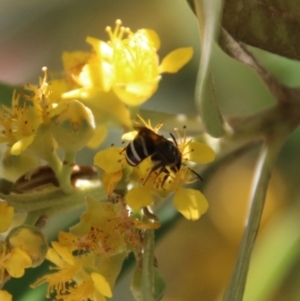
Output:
(196, 258)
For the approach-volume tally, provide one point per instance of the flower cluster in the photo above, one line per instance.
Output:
(71, 113)
(36, 125)
(190, 202)
(88, 259)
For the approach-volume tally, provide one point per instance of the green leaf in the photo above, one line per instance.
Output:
(265, 165)
(269, 25)
(275, 256)
(208, 13)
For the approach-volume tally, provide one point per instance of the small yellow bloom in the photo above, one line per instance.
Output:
(149, 185)
(19, 125)
(110, 181)
(130, 64)
(67, 267)
(31, 240)
(26, 126)
(101, 284)
(124, 70)
(44, 104)
(106, 228)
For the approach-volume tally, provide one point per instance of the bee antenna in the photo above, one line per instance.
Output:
(174, 139)
(194, 172)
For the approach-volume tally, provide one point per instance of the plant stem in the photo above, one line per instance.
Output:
(54, 202)
(264, 168)
(64, 177)
(148, 261)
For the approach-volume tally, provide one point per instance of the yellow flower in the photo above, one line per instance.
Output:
(31, 240)
(26, 124)
(106, 228)
(20, 124)
(66, 265)
(130, 65)
(112, 161)
(87, 83)
(84, 276)
(124, 70)
(190, 202)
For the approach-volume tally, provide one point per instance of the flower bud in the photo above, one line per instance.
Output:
(74, 127)
(159, 284)
(29, 239)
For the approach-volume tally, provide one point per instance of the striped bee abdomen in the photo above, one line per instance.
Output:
(139, 149)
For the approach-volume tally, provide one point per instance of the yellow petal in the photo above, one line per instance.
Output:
(6, 215)
(190, 203)
(101, 48)
(101, 284)
(67, 239)
(21, 145)
(129, 135)
(98, 137)
(111, 180)
(136, 93)
(54, 257)
(97, 214)
(199, 152)
(16, 263)
(152, 37)
(96, 74)
(110, 160)
(5, 296)
(139, 197)
(57, 88)
(175, 60)
(63, 252)
(74, 61)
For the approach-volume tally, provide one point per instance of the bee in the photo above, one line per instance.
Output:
(164, 153)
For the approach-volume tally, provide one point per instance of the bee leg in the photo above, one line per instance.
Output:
(165, 177)
(154, 168)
